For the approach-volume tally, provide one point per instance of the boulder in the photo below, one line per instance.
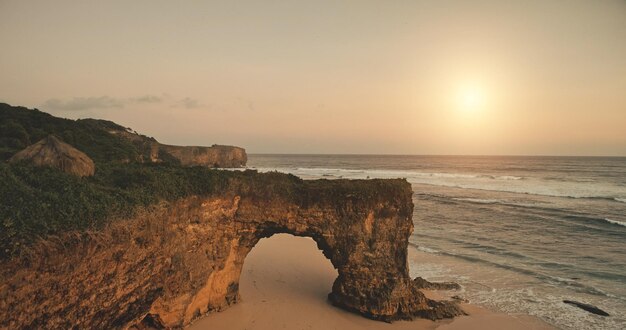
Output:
(589, 308)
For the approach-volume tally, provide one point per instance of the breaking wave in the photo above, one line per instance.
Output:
(478, 200)
(615, 222)
(489, 182)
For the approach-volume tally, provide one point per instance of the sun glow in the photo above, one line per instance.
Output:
(470, 97)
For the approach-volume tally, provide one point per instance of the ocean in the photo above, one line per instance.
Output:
(520, 234)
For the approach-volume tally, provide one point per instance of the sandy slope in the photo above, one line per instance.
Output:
(284, 284)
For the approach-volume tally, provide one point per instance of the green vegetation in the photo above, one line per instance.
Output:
(37, 202)
(21, 127)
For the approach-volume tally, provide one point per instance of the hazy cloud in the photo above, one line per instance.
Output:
(104, 102)
(246, 103)
(83, 103)
(148, 99)
(96, 102)
(189, 103)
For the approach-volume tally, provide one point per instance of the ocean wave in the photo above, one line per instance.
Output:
(379, 173)
(479, 200)
(550, 308)
(540, 275)
(322, 169)
(596, 220)
(387, 173)
(445, 175)
(580, 192)
(513, 203)
(573, 192)
(620, 223)
(503, 177)
(487, 182)
(423, 248)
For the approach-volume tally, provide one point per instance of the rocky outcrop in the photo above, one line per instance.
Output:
(176, 262)
(155, 152)
(52, 152)
(586, 307)
(213, 156)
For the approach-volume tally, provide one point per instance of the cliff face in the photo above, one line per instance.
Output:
(214, 156)
(178, 261)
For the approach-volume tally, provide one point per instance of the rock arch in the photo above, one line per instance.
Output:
(365, 237)
(178, 261)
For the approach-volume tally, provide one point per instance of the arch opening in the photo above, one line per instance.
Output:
(285, 267)
(284, 275)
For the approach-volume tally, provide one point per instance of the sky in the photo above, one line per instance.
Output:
(535, 77)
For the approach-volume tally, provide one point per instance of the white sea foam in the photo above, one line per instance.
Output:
(621, 223)
(503, 177)
(509, 177)
(427, 250)
(503, 183)
(479, 200)
(322, 170)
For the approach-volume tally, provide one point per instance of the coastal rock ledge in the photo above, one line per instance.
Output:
(176, 262)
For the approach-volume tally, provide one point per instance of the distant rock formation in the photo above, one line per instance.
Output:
(52, 152)
(179, 261)
(155, 152)
(213, 156)
(105, 141)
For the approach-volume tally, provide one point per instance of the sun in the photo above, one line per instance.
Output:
(470, 97)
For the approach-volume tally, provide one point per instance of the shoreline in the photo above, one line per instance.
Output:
(285, 282)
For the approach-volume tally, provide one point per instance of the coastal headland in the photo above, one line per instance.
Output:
(161, 242)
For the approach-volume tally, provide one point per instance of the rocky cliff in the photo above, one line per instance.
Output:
(155, 152)
(213, 156)
(177, 261)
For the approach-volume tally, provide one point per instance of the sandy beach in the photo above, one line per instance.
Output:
(284, 285)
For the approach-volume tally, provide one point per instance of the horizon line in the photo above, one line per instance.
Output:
(431, 155)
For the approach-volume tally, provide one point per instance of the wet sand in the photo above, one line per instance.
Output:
(284, 285)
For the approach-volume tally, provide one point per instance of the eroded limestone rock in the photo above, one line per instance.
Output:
(213, 156)
(176, 262)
